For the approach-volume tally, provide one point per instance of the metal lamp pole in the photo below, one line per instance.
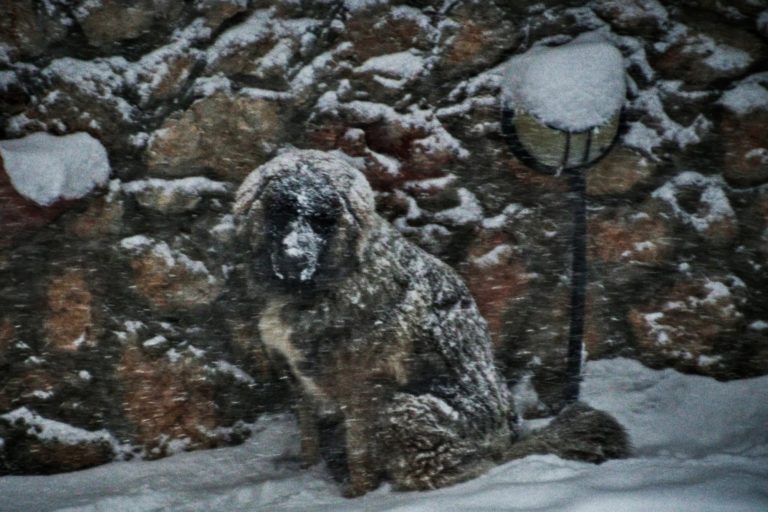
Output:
(570, 155)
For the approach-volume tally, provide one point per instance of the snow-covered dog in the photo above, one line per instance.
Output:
(378, 334)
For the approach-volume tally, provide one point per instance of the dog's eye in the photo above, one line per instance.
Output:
(322, 221)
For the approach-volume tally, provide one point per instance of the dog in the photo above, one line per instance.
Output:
(380, 337)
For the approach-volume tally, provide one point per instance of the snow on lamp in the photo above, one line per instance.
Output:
(560, 114)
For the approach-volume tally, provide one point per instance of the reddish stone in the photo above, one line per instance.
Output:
(171, 281)
(21, 217)
(496, 277)
(683, 325)
(102, 218)
(167, 401)
(375, 32)
(630, 236)
(745, 146)
(7, 336)
(56, 456)
(69, 321)
(618, 173)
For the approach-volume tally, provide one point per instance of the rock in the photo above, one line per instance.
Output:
(107, 22)
(385, 77)
(162, 75)
(762, 24)
(69, 323)
(710, 52)
(239, 49)
(683, 326)
(743, 131)
(28, 29)
(228, 135)
(646, 18)
(701, 204)
(746, 148)
(496, 276)
(103, 217)
(7, 336)
(735, 10)
(88, 96)
(216, 12)
(168, 402)
(618, 172)
(377, 29)
(631, 235)
(21, 216)
(172, 197)
(477, 36)
(167, 278)
(34, 445)
(14, 94)
(41, 176)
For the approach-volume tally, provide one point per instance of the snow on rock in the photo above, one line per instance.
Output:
(100, 79)
(468, 211)
(750, 94)
(716, 205)
(720, 57)
(393, 70)
(45, 168)
(175, 196)
(646, 139)
(47, 429)
(700, 446)
(572, 87)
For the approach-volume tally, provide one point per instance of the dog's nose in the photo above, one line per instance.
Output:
(298, 253)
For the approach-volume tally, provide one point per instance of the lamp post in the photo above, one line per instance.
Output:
(560, 114)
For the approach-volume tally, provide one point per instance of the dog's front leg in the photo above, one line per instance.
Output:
(363, 476)
(306, 410)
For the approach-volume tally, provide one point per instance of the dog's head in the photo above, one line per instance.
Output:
(302, 218)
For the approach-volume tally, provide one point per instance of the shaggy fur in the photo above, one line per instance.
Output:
(378, 335)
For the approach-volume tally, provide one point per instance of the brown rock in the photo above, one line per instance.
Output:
(14, 94)
(217, 12)
(636, 17)
(164, 74)
(227, 135)
(35, 445)
(710, 51)
(618, 173)
(29, 29)
(167, 401)
(7, 336)
(103, 217)
(701, 205)
(168, 278)
(69, 323)
(683, 325)
(496, 277)
(20, 216)
(241, 57)
(395, 150)
(745, 144)
(629, 235)
(46, 457)
(172, 197)
(110, 21)
(480, 36)
(88, 95)
(380, 30)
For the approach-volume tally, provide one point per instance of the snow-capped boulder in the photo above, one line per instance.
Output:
(41, 174)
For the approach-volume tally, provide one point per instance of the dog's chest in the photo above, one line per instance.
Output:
(276, 335)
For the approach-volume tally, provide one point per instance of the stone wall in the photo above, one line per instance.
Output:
(120, 330)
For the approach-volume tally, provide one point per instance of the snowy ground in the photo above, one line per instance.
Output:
(700, 445)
